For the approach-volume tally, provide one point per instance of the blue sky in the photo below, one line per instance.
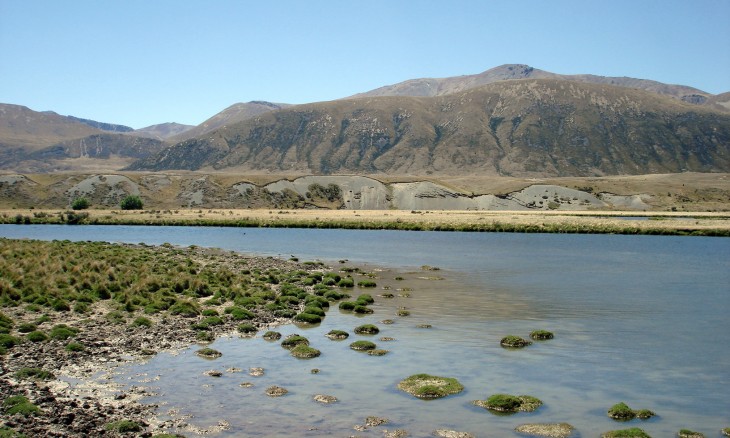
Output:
(142, 62)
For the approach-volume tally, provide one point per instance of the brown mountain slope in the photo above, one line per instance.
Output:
(23, 128)
(233, 114)
(162, 131)
(441, 86)
(519, 128)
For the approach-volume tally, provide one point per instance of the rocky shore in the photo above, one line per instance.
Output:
(79, 398)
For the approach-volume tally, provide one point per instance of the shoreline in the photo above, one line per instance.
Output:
(81, 398)
(581, 222)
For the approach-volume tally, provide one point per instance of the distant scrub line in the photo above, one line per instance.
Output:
(500, 227)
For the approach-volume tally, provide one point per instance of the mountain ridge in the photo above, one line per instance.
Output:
(516, 128)
(430, 87)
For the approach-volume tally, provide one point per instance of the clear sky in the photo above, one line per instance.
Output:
(143, 62)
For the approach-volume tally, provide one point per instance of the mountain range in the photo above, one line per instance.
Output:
(511, 120)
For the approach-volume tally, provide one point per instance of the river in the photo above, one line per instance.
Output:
(637, 319)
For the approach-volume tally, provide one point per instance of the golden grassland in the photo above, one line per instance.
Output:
(613, 222)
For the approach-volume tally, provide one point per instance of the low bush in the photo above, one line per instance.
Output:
(34, 373)
(80, 204)
(540, 335)
(272, 336)
(36, 336)
(367, 329)
(346, 282)
(365, 299)
(366, 283)
(247, 328)
(20, 405)
(348, 305)
(141, 321)
(514, 342)
(312, 310)
(26, 327)
(308, 318)
(123, 426)
(131, 202)
(209, 353)
(363, 345)
(633, 432)
(337, 334)
(426, 386)
(362, 309)
(63, 332)
(239, 314)
(304, 352)
(75, 346)
(292, 341)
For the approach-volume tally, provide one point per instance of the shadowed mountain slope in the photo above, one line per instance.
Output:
(542, 127)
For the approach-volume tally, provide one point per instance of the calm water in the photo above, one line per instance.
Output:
(639, 319)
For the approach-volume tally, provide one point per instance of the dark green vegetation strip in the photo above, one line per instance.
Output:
(75, 218)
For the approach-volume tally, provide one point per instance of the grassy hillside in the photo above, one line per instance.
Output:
(546, 128)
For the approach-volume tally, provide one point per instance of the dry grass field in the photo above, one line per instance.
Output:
(619, 222)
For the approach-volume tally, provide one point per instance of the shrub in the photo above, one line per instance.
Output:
(334, 295)
(36, 336)
(209, 353)
(7, 341)
(6, 324)
(26, 328)
(366, 283)
(131, 202)
(346, 282)
(304, 352)
(503, 402)
(312, 310)
(633, 432)
(363, 345)
(365, 299)
(141, 321)
(362, 309)
(540, 335)
(348, 305)
(621, 411)
(514, 342)
(337, 334)
(37, 373)
(367, 329)
(123, 426)
(115, 317)
(80, 204)
(75, 346)
(294, 340)
(272, 336)
(63, 332)
(308, 318)
(247, 328)
(429, 387)
(239, 313)
(20, 405)
(185, 308)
